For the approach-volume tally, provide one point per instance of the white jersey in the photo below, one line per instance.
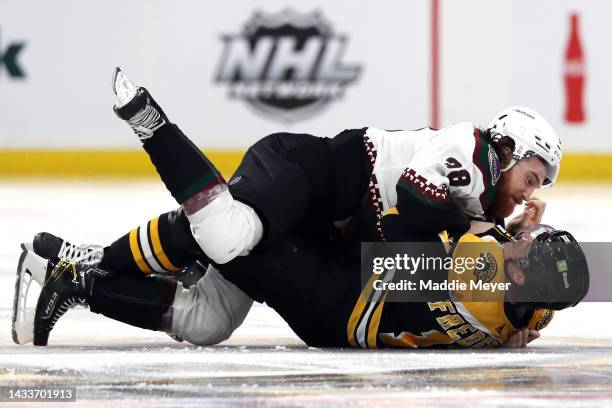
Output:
(438, 167)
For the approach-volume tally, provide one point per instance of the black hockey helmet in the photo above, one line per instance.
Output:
(556, 270)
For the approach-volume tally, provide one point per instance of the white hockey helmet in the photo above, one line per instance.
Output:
(532, 135)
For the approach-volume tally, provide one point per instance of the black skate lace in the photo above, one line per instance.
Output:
(66, 305)
(85, 254)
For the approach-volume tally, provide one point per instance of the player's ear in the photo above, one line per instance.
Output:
(504, 148)
(516, 274)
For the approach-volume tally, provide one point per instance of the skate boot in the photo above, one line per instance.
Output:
(67, 284)
(50, 246)
(136, 106)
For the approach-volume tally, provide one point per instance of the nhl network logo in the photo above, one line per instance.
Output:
(287, 66)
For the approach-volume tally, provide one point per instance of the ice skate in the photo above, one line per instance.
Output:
(62, 284)
(136, 106)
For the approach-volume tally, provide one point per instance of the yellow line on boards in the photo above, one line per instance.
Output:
(96, 163)
(134, 163)
(586, 167)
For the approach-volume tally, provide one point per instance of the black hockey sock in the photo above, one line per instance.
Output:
(182, 166)
(139, 301)
(164, 244)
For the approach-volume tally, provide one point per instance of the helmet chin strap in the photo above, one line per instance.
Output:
(495, 136)
(509, 166)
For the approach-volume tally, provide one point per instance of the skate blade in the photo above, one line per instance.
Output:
(123, 88)
(28, 246)
(31, 268)
(20, 321)
(114, 80)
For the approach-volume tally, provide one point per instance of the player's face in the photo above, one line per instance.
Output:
(517, 185)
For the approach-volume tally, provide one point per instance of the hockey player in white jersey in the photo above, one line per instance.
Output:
(438, 179)
(304, 184)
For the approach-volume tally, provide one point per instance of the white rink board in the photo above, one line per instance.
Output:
(175, 50)
(492, 54)
(502, 53)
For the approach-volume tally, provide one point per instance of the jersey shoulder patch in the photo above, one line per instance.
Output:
(486, 160)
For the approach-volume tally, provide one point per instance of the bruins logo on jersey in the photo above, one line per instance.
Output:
(488, 270)
(543, 322)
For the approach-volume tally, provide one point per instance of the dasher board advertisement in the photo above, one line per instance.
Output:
(228, 74)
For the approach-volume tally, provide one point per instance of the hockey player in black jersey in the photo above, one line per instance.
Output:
(322, 299)
(316, 287)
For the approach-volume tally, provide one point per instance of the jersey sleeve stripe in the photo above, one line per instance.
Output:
(424, 191)
(375, 323)
(158, 250)
(358, 311)
(407, 339)
(206, 183)
(136, 252)
(146, 248)
(360, 323)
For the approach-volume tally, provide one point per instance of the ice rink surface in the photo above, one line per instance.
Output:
(264, 364)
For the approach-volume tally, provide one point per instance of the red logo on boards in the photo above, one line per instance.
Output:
(574, 75)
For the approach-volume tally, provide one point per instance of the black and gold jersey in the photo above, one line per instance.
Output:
(457, 320)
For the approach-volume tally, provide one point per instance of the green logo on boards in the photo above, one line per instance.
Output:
(9, 59)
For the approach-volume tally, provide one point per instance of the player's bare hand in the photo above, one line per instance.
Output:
(520, 338)
(532, 214)
(536, 208)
